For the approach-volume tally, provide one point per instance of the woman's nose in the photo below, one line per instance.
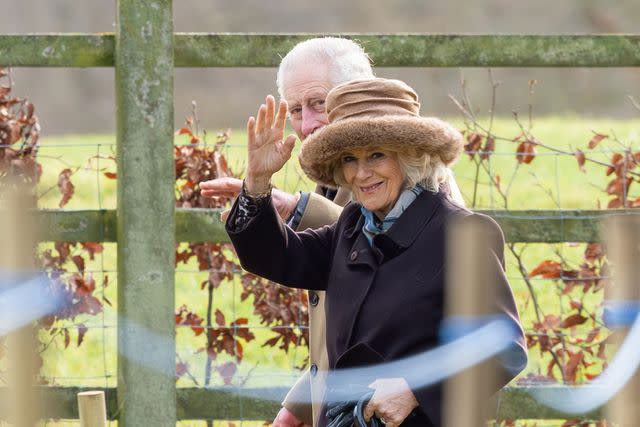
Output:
(364, 171)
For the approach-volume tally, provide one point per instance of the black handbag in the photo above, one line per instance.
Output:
(351, 414)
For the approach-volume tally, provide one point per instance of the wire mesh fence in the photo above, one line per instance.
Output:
(222, 341)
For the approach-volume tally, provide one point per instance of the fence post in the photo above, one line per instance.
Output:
(470, 293)
(144, 71)
(92, 409)
(623, 238)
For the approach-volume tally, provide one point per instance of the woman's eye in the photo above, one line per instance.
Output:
(348, 159)
(376, 156)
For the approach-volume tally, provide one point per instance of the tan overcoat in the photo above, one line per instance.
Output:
(310, 386)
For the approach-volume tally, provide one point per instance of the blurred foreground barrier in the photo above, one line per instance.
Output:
(623, 242)
(230, 403)
(470, 295)
(17, 249)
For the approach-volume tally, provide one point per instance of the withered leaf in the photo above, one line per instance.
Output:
(489, 148)
(548, 269)
(181, 369)
(82, 330)
(573, 320)
(79, 262)
(220, 318)
(526, 152)
(596, 140)
(581, 159)
(571, 368)
(227, 371)
(65, 186)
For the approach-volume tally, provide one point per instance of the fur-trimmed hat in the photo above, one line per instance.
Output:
(375, 113)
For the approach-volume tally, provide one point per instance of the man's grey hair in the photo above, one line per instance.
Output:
(345, 58)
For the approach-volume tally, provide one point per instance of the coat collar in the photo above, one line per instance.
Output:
(400, 236)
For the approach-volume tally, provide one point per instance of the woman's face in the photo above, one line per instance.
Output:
(375, 178)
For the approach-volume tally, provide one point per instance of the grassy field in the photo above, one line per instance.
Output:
(551, 181)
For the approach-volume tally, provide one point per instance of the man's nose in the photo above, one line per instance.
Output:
(311, 121)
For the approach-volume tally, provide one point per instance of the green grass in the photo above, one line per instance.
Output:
(549, 182)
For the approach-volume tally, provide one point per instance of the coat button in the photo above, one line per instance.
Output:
(313, 298)
(353, 255)
(314, 370)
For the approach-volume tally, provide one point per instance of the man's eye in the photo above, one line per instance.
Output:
(318, 105)
(295, 110)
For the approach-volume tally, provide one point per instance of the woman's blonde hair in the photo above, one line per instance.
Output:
(417, 167)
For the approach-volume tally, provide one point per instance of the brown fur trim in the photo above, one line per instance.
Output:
(429, 134)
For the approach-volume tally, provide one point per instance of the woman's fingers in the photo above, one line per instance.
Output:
(260, 119)
(369, 410)
(251, 132)
(287, 146)
(392, 400)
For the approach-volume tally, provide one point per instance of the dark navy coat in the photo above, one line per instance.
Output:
(385, 299)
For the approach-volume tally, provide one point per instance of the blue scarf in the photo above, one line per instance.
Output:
(373, 226)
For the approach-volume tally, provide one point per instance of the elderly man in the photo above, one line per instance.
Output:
(305, 76)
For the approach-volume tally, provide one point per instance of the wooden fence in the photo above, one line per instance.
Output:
(144, 51)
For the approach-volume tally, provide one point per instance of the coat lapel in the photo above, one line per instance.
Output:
(413, 220)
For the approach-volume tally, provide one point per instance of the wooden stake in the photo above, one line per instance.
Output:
(17, 248)
(92, 409)
(470, 293)
(623, 239)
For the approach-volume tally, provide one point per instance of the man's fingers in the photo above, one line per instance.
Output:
(226, 183)
(213, 194)
(271, 109)
(281, 118)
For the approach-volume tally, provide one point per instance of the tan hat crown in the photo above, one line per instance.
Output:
(371, 98)
(375, 113)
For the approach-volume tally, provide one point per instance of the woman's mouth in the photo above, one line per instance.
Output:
(370, 188)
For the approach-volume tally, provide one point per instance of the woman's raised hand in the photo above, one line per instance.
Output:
(267, 149)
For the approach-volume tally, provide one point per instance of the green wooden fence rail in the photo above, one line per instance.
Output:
(386, 50)
(144, 50)
(203, 225)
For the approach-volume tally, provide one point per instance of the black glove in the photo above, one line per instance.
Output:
(340, 414)
(348, 414)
